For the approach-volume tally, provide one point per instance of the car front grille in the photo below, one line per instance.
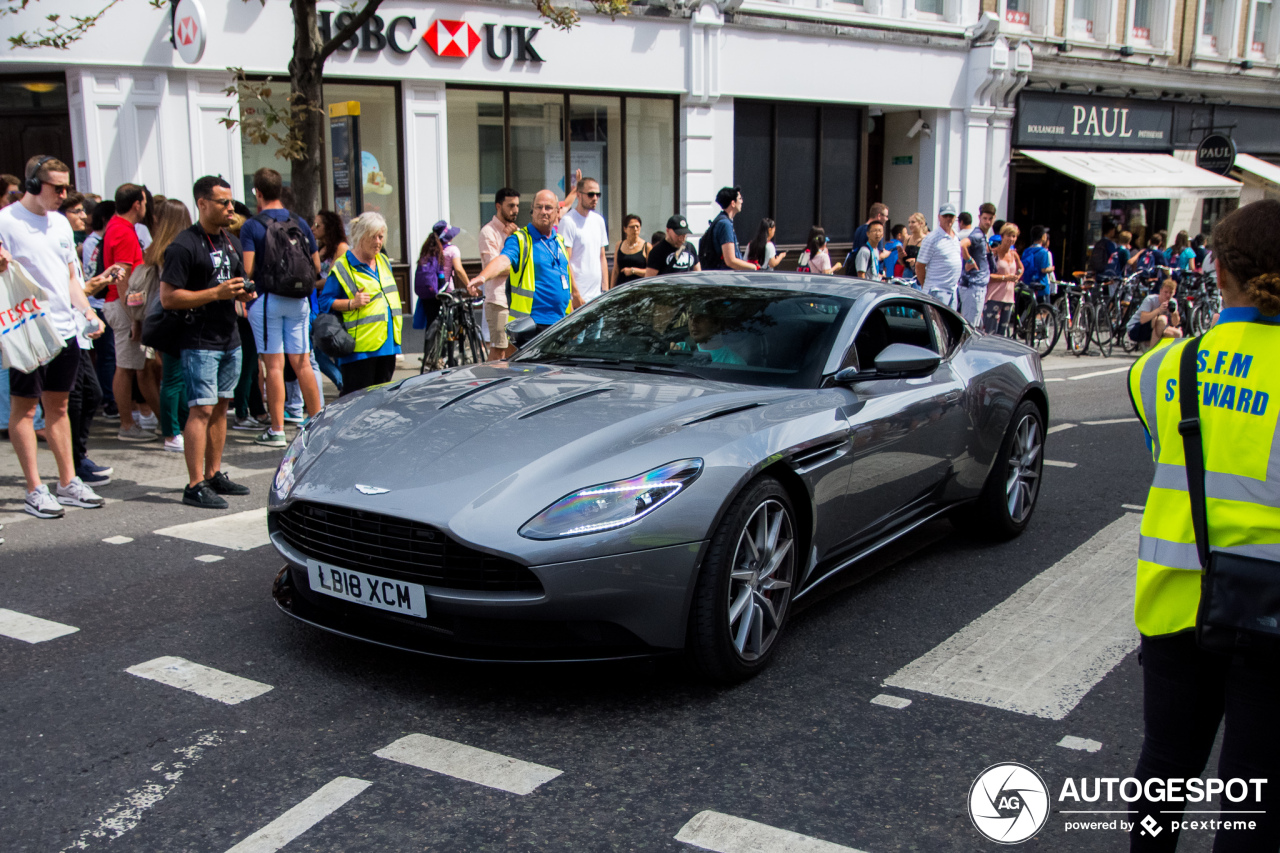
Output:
(369, 541)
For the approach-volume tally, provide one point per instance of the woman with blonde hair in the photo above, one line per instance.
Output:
(1004, 281)
(171, 218)
(917, 229)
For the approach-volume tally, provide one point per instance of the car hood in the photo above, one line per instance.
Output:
(467, 435)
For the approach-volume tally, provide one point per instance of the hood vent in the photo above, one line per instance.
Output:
(720, 413)
(570, 398)
(473, 391)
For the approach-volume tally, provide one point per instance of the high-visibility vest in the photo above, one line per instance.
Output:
(368, 325)
(1239, 387)
(522, 282)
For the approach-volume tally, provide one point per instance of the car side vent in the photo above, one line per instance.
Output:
(720, 413)
(815, 457)
(564, 401)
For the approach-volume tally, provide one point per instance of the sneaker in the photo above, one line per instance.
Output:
(41, 504)
(247, 424)
(110, 413)
(222, 485)
(271, 439)
(136, 433)
(76, 493)
(91, 478)
(147, 422)
(176, 444)
(291, 418)
(89, 465)
(202, 496)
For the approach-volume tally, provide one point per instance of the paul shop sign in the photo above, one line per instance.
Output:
(1084, 123)
(449, 39)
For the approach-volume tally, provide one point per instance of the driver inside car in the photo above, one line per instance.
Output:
(705, 337)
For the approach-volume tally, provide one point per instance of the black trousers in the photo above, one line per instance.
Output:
(358, 375)
(84, 401)
(1187, 693)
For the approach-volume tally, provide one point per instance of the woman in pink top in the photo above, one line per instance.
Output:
(1000, 290)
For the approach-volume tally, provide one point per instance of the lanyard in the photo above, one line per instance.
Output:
(553, 249)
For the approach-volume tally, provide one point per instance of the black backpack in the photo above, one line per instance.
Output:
(282, 265)
(711, 256)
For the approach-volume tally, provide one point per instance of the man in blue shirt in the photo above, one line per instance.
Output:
(1037, 263)
(724, 241)
(553, 283)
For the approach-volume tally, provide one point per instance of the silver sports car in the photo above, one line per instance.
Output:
(666, 469)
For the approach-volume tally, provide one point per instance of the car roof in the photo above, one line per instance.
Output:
(833, 285)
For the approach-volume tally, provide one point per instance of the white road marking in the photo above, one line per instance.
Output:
(1111, 421)
(1134, 507)
(1043, 648)
(128, 813)
(118, 540)
(240, 531)
(201, 680)
(1055, 379)
(209, 558)
(1081, 743)
(31, 629)
(895, 702)
(306, 814)
(1124, 369)
(1056, 464)
(1050, 431)
(728, 834)
(469, 763)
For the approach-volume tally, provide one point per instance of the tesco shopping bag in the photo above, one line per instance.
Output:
(28, 338)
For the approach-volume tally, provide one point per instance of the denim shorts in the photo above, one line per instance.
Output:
(211, 375)
(280, 324)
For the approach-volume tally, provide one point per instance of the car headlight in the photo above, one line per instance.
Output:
(609, 506)
(284, 481)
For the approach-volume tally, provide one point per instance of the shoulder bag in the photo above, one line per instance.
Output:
(1239, 596)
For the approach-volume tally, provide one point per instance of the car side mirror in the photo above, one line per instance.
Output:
(906, 360)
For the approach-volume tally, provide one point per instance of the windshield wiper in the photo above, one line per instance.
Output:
(617, 364)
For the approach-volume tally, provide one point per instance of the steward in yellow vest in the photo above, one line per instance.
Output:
(1188, 691)
(369, 324)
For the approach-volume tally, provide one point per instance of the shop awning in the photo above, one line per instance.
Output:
(1137, 176)
(1258, 168)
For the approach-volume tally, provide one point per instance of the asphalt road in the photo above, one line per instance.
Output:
(93, 757)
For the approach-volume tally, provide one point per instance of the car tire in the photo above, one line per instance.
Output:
(1008, 498)
(744, 589)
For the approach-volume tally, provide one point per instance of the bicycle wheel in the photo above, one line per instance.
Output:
(1103, 331)
(1080, 331)
(1040, 329)
(430, 347)
(475, 344)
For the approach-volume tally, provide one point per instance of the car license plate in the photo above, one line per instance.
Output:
(369, 590)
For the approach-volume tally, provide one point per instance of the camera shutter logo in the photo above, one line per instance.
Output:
(1009, 803)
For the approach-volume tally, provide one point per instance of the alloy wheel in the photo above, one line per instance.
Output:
(1023, 478)
(761, 578)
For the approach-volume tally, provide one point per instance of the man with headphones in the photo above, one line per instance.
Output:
(41, 240)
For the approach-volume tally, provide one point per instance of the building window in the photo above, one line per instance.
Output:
(536, 140)
(1261, 26)
(1082, 15)
(1207, 29)
(1141, 21)
(929, 8)
(1017, 12)
(797, 164)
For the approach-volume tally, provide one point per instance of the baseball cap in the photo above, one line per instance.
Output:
(947, 209)
(678, 224)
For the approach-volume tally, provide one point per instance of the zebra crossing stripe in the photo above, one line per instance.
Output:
(728, 834)
(31, 629)
(201, 680)
(306, 814)
(468, 763)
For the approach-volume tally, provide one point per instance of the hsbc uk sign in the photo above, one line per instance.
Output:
(447, 39)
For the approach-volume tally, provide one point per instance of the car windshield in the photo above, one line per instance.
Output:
(751, 335)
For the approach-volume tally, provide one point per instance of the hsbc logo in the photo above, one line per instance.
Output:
(446, 39)
(451, 38)
(187, 31)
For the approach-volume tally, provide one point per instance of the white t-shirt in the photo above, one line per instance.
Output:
(585, 236)
(44, 245)
(940, 253)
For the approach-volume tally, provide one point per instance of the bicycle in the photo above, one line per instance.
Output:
(1077, 313)
(453, 339)
(1033, 322)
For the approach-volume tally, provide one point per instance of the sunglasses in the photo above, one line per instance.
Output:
(592, 195)
(60, 189)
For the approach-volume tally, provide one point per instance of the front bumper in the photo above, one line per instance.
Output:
(627, 605)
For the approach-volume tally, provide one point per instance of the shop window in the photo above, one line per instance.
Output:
(1141, 31)
(651, 162)
(1017, 12)
(531, 141)
(380, 184)
(1261, 26)
(595, 147)
(797, 164)
(477, 163)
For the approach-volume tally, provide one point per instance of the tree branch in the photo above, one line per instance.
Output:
(353, 26)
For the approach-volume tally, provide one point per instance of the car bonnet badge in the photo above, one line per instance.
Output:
(370, 490)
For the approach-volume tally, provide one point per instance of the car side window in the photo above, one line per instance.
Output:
(897, 322)
(948, 329)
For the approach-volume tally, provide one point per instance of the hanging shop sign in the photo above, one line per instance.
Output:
(1085, 122)
(446, 39)
(1216, 153)
(189, 30)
